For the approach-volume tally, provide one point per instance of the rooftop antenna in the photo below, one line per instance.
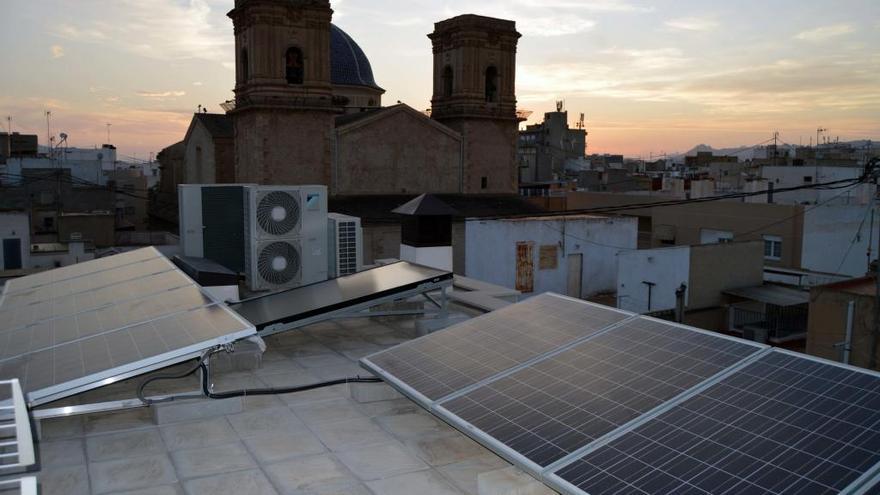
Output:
(560, 104)
(108, 132)
(49, 130)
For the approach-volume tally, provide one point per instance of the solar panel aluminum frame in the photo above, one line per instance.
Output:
(25, 486)
(535, 469)
(860, 486)
(24, 442)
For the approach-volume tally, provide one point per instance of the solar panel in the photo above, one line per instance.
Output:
(555, 406)
(86, 283)
(783, 424)
(80, 269)
(449, 360)
(123, 316)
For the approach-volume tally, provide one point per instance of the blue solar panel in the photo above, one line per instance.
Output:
(447, 361)
(784, 424)
(556, 406)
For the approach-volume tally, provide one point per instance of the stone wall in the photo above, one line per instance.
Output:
(282, 146)
(401, 153)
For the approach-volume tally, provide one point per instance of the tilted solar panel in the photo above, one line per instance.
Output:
(558, 405)
(79, 269)
(119, 316)
(107, 279)
(447, 361)
(785, 424)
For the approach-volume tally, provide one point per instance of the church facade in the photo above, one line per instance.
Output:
(308, 110)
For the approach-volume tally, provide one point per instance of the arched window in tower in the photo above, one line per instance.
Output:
(245, 68)
(492, 84)
(447, 81)
(294, 65)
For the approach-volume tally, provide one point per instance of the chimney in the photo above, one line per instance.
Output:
(426, 232)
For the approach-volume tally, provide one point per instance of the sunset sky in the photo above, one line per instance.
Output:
(651, 77)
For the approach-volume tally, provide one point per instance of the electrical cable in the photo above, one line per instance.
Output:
(169, 376)
(275, 391)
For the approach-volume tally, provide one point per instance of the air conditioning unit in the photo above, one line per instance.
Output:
(285, 236)
(212, 222)
(345, 239)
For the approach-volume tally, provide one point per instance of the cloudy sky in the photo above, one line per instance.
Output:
(651, 77)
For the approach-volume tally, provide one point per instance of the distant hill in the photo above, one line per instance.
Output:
(752, 152)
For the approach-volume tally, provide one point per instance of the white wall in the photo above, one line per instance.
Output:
(667, 268)
(75, 253)
(786, 176)
(85, 170)
(828, 232)
(16, 225)
(490, 250)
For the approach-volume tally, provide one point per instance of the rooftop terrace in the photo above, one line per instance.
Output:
(321, 441)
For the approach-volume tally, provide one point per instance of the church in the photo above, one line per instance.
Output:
(308, 110)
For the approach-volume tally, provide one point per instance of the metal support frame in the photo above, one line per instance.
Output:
(25, 486)
(15, 424)
(122, 404)
(362, 310)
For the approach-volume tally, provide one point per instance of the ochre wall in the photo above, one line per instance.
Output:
(398, 154)
(281, 146)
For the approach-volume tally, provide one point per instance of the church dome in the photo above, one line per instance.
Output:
(348, 63)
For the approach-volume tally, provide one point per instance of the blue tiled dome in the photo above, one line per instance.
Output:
(348, 63)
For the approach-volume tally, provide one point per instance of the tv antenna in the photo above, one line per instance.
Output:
(108, 131)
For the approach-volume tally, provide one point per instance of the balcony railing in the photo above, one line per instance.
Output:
(771, 323)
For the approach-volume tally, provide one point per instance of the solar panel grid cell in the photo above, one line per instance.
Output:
(782, 425)
(448, 361)
(560, 404)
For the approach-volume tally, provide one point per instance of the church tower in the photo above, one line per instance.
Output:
(284, 111)
(475, 94)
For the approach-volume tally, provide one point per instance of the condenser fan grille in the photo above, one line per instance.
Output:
(278, 263)
(278, 213)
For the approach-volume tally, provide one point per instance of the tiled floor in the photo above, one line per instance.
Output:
(319, 442)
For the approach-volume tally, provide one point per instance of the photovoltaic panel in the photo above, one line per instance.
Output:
(79, 269)
(95, 358)
(62, 330)
(560, 404)
(86, 283)
(125, 314)
(449, 360)
(82, 302)
(785, 424)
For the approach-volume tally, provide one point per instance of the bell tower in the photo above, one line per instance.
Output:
(284, 111)
(475, 94)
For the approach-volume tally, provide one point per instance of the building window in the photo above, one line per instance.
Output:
(492, 84)
(448, 78)
(484, 182)
(808, 179)
(294, 65)
(245, 68)
(548, 257)
(712, 236)
(772, 247)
